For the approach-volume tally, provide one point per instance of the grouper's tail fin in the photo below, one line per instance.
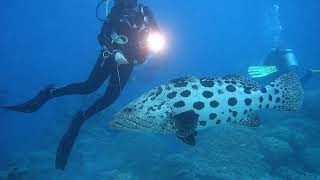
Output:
(287, 92)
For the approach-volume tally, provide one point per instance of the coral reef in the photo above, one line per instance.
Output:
(284, 149)
(311, 158)
(275, 151)
(311, 103)
(117, 175)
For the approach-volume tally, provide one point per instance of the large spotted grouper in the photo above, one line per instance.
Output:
(185, 105)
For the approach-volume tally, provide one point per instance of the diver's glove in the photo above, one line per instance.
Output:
(120, 58)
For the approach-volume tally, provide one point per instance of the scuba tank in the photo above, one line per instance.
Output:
(290, 58)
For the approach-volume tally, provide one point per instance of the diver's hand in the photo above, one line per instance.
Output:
(120, 59)
(315, 71)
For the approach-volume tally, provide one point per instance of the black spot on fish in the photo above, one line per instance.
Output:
(172, 95)
(261, 99)
(232, 101)
(245, 112)
(207, 83)
(247, 91)
(144, 101)
(263, 90)
(248, 101)
(267, 106)
(231, 88)
(159, 91)
(213, 116)
(202, 123)
(278, 100)
(179, 104)
(229, 119)
(272, 85)
(214, 104)
(207, 94)
(270, 97)
(234, 114)
(198, 105)
(250, 110)
(128, 110)
(218, 122)
(160, 105)
(185, 93)
(195, 87)
(276, 91)
(180, 84)
(220, 91)
(260, 106)
(151, 109)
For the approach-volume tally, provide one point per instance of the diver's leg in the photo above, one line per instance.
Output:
(96, 78)
(102, 69)
(117, 82)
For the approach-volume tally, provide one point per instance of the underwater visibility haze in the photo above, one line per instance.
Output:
(231, 92)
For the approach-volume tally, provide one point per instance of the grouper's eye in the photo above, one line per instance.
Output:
(128, 110)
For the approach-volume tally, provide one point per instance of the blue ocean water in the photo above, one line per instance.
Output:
(55, 42)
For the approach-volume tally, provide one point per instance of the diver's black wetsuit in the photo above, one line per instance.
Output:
(134, 24)
(119, 75)
(277, 57)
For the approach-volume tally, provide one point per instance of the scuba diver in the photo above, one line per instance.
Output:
(280, 61)
(124, 41)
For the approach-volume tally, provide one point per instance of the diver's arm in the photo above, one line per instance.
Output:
(315, 71)
(108, 26)
(152, 21)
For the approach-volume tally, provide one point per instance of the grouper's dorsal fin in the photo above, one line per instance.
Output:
(243, 81)
(253, 120)
(183, 80)
(186, 123)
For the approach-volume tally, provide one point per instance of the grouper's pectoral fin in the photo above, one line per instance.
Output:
(253, 120)
(190, 140)
(186, 123)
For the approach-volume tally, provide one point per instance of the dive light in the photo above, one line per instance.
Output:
(156, 42)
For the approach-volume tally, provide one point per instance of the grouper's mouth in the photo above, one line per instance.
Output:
(116, 124)
(123, 122)
(119, 123)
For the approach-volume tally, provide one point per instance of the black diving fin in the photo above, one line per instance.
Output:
(68, 140)
(33, 104)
